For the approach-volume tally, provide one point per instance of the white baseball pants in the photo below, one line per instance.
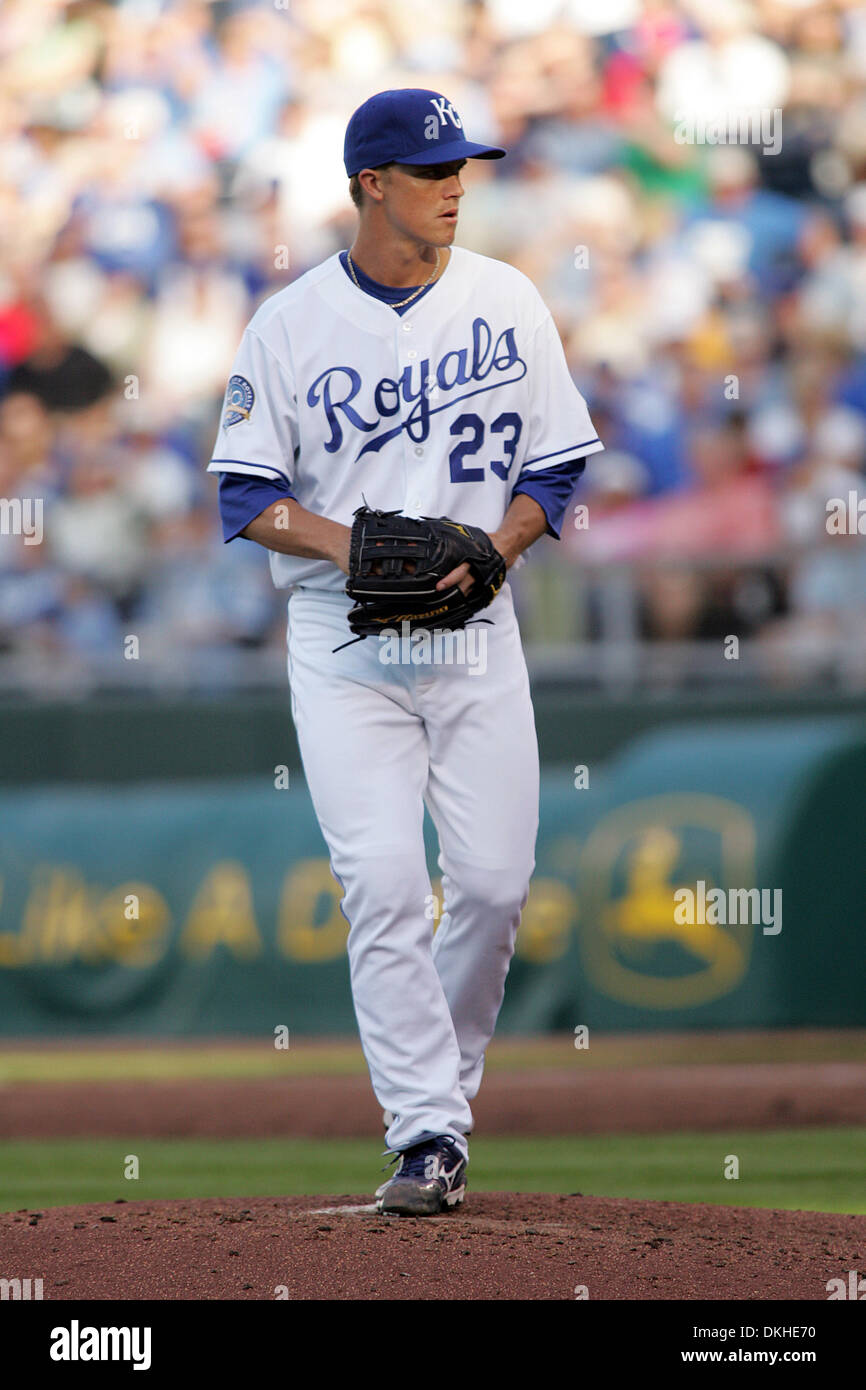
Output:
(378, 741)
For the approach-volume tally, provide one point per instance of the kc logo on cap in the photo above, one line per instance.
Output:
(444, 112)
(408, 125)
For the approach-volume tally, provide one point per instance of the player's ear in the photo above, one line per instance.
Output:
(373, 182)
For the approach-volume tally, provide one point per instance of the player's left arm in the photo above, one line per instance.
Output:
(538, 505)
(522, 524)
(559, 437)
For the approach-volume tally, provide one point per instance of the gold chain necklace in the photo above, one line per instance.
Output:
(415, 293)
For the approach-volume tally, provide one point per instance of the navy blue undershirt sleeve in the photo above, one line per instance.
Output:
(242, 498)
(552, 489)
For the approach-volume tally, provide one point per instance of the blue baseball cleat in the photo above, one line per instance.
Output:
(429, 1177)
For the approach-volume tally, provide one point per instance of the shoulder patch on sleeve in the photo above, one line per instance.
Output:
(239, 401)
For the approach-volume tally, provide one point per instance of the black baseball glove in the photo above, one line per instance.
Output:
(396, 561)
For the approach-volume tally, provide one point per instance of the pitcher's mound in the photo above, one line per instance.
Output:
(499, 1245)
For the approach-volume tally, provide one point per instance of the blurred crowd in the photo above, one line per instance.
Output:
(164, 166)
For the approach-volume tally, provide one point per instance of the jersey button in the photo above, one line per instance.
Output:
(406, 327)
(418, 450)
(411, 354)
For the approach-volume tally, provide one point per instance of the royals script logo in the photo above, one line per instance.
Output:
(337, 388)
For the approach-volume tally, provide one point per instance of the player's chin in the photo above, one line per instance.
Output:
(445, 227)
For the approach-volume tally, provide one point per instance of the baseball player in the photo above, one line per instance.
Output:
(409, 375)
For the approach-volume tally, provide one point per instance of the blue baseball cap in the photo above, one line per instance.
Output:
(408, 126)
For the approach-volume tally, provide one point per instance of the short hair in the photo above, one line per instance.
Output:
(356, 192)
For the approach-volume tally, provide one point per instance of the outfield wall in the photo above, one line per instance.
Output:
(134, 738)
(208, 906)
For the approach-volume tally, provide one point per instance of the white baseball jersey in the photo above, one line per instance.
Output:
(436, 411)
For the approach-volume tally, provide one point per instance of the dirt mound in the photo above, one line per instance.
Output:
(499, 1245)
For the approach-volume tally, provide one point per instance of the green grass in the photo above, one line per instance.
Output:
(166, 1060)
(812, 1169)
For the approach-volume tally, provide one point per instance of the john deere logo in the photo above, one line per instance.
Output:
(632, 945)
